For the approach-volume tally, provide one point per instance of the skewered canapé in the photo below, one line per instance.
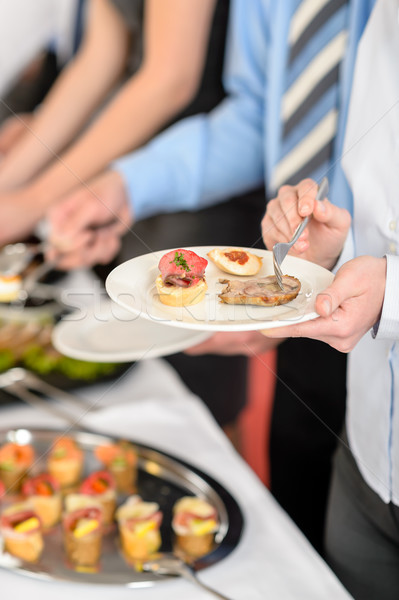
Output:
(83, 536)
(195, 522)
(22, 533)
(101, 485)
(65, 462)
(15, 462)
(44, 493)
(121, 460)
(139, 524)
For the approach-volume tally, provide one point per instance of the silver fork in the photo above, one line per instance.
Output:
(24, 385)
(15, 257)
(280, 250)
(33, 279)
(170, 564)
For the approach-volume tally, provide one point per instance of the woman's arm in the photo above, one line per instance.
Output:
(12, 130)
(198, 161)
(176, 36)
(77, 92)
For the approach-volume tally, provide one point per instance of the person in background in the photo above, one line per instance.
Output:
(160, 48)
(36, 40)
(175, 35)
(253, 137)
(24, 96)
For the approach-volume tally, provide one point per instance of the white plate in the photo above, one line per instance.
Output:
(108, 333)
(132, 285)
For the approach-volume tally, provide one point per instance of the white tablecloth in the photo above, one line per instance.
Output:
(150, 404)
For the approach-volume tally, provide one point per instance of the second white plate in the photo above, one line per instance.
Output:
(132, 285)
(112, 334)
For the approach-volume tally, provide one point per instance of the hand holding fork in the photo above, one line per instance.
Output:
(281, 249)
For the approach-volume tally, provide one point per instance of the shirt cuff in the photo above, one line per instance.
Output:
(388, 326)
(166, 175)
(147, 182)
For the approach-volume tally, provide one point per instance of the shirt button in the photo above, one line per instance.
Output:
(392, 225)
(392, 248)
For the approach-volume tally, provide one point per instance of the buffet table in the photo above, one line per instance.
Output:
(150, 405)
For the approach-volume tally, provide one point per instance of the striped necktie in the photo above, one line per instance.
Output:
(310, 103)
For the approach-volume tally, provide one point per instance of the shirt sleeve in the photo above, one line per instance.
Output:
(388, 326)
(206, 159)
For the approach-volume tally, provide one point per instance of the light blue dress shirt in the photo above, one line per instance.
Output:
(207, 159)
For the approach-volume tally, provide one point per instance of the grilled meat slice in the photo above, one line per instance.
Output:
(263, 291)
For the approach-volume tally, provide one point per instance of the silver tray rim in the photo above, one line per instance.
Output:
(153, 461)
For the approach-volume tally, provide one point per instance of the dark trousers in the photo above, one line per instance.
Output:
(308, 413)
(362, 534)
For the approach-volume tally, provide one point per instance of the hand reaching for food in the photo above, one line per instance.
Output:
(11, 131)
(19, 215)
(86, 227)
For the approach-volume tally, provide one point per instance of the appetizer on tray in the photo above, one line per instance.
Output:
(33, 528)
(236, 261)
(44, 493)
(83, 536)
(101, 485)
(182, 278)
(121, 460)
(195, 523)
(65, 462)
(10, 286)
(22, 533)
(15, 462)
(76, 501)
(139, 524)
